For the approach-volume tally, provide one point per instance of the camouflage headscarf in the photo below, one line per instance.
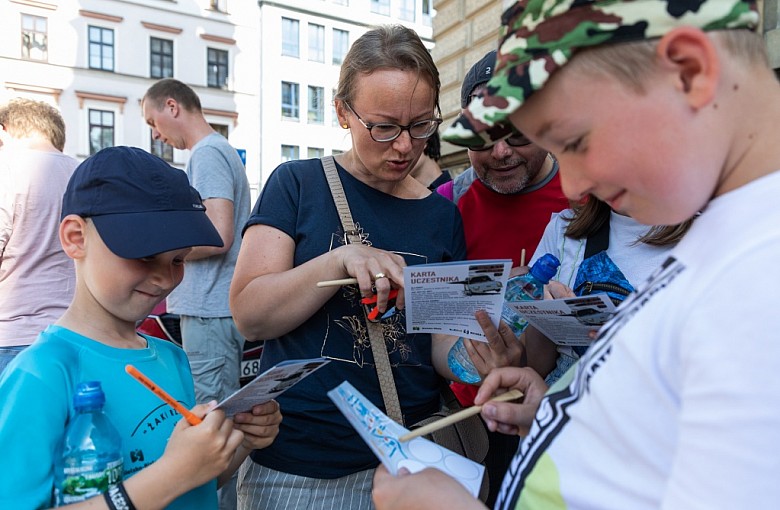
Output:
(540, 36)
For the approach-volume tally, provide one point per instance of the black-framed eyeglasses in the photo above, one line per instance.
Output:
(387, 132)
(513, 141)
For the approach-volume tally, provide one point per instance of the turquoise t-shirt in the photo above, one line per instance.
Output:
(37, 389)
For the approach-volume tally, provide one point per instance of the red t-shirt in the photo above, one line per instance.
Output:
(499, 226)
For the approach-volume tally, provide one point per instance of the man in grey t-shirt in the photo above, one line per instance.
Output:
(210, 337)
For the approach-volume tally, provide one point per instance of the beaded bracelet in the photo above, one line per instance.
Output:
(117, 498)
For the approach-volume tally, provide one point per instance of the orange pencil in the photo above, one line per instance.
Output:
(191, 418)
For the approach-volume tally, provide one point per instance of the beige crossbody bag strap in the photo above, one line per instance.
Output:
(375, 334)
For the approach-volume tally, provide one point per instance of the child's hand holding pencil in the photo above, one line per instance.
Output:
(509, 417)
(205, 451)
(218, 436)
(204, 445)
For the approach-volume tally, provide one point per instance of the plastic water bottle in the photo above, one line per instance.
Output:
(459, 361)
(92, 458)
(520, 288)
(528, 287)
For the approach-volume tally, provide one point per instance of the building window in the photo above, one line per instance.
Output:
(217, 61)
(381, 7)
(101, 130)
(406, 10)
(427, 11)
(316, 152)
(160, 58)
(316, 43)
(340, 45)
(289, 152)
(34, 38)
(333, 115)
(289, 100)
(316, 105)
(160, 149)
(101, 48)
(222, 129)
(290, 37)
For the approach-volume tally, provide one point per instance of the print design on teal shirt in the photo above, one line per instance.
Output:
(159, 420)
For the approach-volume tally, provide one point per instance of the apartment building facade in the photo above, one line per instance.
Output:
(264, 71)
(300, 67)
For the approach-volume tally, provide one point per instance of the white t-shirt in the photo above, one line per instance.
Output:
(677, 404)
(635, 260)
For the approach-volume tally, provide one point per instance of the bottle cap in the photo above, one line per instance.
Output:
(545, 267)
(89, 395)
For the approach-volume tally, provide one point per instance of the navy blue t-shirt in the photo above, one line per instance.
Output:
(315, 440)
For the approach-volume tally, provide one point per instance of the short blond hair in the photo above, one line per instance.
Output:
(23, 118)
(631, 63)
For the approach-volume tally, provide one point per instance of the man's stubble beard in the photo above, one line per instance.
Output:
(515, 186)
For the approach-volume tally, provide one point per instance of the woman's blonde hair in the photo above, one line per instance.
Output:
(387, 47)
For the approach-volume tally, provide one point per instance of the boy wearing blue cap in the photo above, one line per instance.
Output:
(128, 222)
(663, 109)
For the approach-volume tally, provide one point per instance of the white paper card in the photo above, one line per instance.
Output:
(270, 384)
(567, 321)
(442, 298)
(381, 434)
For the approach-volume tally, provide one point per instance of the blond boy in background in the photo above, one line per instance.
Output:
(36, 277)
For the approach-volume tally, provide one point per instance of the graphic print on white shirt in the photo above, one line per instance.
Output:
(552, 414)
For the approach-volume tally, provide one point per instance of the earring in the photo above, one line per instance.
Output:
(345, 126)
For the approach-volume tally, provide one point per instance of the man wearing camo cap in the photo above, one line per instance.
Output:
(664, 110)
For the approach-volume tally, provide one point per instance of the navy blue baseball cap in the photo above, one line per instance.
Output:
(479, 74)
(140, 205)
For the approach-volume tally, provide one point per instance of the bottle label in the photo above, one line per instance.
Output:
(513, 319)
(84, 482)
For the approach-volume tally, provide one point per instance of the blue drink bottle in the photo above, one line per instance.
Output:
(528, 287)
(520, 288)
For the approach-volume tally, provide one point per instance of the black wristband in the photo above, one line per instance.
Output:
(117, 498)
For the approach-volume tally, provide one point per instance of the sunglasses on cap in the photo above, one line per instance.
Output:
(517, 140)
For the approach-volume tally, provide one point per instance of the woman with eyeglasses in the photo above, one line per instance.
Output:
(388, 99)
